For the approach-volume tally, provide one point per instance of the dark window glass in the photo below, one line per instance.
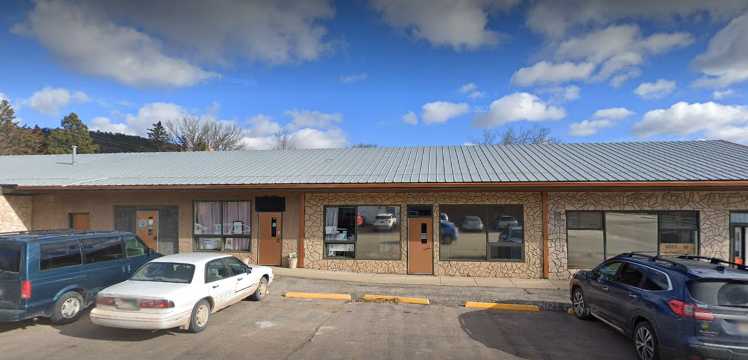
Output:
(481, 232)
(10, 257)
(222, 225)
(609, 270)
(165, 272)
(679, 232)
(654, 280)
(721, 293)
(216, 270)
(363, 232)
(584, 220)
(134, 246)
(235, 266)
(59, 254)
(105, 249)
(630, 275)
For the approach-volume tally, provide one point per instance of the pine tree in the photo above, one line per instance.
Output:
(159, 136)
(72, 131)
(16, 140)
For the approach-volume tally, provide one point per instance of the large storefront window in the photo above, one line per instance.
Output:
(593, 236)
(222, 225)
(362, 232)
(481, 232)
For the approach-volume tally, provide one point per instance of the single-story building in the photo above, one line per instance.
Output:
(525, 211)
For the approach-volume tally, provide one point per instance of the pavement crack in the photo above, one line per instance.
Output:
(310, 338)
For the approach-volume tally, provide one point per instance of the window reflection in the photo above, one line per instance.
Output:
(481, 232)
(363, 232)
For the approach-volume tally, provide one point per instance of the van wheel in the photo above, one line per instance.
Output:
(68, 308)
(645, 342)
(200, 316)
(580, 306)
(262, 290)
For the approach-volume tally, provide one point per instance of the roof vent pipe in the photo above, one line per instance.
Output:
(75, 153)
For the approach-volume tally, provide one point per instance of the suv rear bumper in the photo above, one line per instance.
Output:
(718, 351)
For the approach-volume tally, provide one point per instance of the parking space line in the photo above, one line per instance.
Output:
(502, 307)
(317, 296)
(395, 299)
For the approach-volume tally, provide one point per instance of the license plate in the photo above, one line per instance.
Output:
(743, 328)
(126, 304)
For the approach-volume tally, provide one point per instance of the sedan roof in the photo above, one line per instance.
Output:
(191, 257)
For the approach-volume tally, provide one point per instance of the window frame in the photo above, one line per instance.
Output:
(80, 251)
(220, 261)
(606, 256)
(355, 210)
(487, 259)
(101, 238)
(223, 237)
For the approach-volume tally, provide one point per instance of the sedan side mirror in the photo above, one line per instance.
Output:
(249, 270)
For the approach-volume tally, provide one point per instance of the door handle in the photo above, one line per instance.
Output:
(240, 279)
(633, 296)
(604, 288)
(215, 286)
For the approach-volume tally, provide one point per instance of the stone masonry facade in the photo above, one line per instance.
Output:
(15, 213)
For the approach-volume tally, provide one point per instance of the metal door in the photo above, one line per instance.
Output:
(271, 228)
(420, 246)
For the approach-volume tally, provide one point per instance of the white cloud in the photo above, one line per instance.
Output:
(264, 133)
(104, 124)
(554, 18)
(353, 78)
(309, 138)
(725, 61)
(471, 90)
(518, 107)
(655, 90)
(561, 94)
(545, 72)
(442, 111)
(721, 94)
(152, 113)
(410, 118)
(457, 24)
(710, 120)
(315, 119)
(50, 100)
(601, 119)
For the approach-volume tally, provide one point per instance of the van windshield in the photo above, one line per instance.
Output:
(720, 292)
(165, 272)
(10, 258)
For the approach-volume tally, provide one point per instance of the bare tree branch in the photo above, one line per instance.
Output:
(193, 134)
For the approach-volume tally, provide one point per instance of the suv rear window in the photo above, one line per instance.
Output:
(720, 293)
(10, 258)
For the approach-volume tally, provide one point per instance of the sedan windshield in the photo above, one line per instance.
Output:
(165, 272)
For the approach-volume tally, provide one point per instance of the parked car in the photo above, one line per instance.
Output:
(506, 221)
(385, 221)
(512, 234)
(447, 230)
(472, 223)
(180, 290)
(57, 274)
(688, 307)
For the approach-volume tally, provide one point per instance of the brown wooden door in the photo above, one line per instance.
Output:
(80, 221)
(420, 246)
(146, 227)
(271, 229)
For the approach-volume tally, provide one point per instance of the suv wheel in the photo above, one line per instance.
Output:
(645, 342)
(68, 308)
(581, 309)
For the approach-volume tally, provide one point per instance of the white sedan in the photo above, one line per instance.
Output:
(180, 290)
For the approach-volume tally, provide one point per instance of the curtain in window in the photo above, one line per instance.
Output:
(208, 217)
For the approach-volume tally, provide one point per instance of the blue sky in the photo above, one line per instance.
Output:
(386, 72)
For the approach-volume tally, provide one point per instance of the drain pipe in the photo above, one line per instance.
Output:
(75, 153)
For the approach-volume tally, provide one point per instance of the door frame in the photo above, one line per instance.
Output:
(259, 236)
(431, 218)
(731, 228)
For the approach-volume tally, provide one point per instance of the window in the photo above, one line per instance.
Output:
(222, 225)
(59, 254)
(106, 249)
(216, 270)
(481, 232)
(165, 272)
(719, 292)
(134, 247)
(10, 258)
(235, 266)
(609, 270)
(363, 232)
(593, 236)
(630, 275)
(655, 280)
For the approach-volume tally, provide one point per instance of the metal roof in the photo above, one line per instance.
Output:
(581, 162)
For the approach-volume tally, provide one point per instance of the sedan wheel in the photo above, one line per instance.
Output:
(645, 342)
(581, 310)
(200, 316)
(262, 290)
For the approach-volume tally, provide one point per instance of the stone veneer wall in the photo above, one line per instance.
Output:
(713, 206)
(15, 213)
(531, 267)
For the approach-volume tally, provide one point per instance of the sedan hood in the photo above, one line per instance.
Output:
(145, 289)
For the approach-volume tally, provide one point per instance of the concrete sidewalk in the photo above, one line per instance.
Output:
(394, 279)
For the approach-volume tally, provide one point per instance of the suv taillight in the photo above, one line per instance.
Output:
(26, 289)
(687, 310)
(155, 304)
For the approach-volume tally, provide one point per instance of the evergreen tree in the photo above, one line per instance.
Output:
(159, 136)
(72, 131)
(14, 139)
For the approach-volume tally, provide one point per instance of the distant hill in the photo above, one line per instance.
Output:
(118, 143)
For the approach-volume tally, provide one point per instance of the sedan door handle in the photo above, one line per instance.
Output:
(216, 286)
(633, 296)
(240, 279)
(604, 288)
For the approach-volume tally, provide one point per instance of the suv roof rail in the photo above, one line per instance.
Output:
(52, 231)
(713, 261)
(655, 258)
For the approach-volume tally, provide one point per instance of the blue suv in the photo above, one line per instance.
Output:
(687, 307)
(56, 274)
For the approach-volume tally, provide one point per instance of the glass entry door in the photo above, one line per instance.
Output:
(739, 239)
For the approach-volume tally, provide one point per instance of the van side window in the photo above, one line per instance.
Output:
(59, 254)
(106, 249)
(134, 247)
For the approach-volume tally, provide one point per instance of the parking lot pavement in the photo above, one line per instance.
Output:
(280, 328)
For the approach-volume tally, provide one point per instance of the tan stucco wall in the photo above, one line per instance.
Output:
(714, 210)
(51, 211)
(15, 213)
(531, 267)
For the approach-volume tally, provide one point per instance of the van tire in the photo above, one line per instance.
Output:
(200, 316)
(67, 308)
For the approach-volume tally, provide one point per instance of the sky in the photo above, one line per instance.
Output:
(384, 72)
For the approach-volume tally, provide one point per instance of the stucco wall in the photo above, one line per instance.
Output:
(15, 213)
(51, 211)
(531, 267)
(714, 208)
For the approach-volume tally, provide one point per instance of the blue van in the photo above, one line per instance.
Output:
(56, 274)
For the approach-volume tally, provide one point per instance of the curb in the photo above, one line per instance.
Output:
(502, 307)
(317, 296)
(395, 299)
